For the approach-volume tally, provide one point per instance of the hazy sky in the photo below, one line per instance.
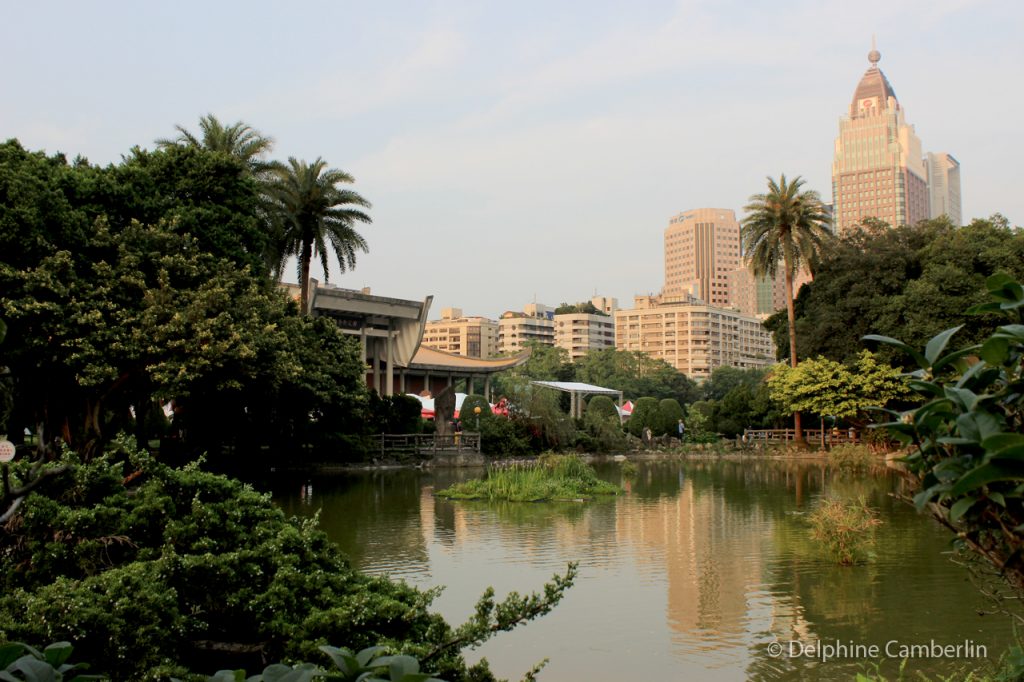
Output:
(524, 151)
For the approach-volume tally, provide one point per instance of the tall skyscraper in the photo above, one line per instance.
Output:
(878, 170)
(702, 247)
(944, 186)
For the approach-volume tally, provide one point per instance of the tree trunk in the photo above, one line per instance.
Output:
(304, 259)
(798, 434)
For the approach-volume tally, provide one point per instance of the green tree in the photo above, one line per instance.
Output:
(317, 217)
(635, 374)
(826, 387)
(725, 378)
(238, 140)
(908, 282)
(786, 226)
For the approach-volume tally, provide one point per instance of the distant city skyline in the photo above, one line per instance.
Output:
(527, 152)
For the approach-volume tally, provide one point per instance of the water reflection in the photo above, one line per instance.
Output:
(694, 572)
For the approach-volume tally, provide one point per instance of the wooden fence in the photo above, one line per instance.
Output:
(832, 436)
(424, 444)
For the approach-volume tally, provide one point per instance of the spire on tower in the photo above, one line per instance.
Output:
(874, 55)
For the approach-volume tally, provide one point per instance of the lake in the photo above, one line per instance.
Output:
(703, 569)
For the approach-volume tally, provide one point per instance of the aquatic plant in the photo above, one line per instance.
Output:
(550, 477)
(845, 529)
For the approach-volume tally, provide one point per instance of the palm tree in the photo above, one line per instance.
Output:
(790, 226)
(316, 216)
(239, 140)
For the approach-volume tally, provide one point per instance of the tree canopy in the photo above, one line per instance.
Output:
(907, 282)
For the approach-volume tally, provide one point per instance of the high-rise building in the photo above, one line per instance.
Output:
(757, 296)
(702, 247)
(474, 337)
(878, 170)
(944, 186)
(693, 337)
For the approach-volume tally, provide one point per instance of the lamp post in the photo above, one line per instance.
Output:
(476, 411)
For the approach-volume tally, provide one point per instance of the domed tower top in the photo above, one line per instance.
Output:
(873, 92)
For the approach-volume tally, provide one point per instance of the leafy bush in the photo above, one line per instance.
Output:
(395, 414)
(467, 415)
(846, 530)
(151, 579)
(967, 440)
(645, 414)
(669, 414)
(599, 408)
(504, 437)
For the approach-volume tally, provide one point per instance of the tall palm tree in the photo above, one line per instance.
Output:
(239, 140)
(316, 217)
(786, 225)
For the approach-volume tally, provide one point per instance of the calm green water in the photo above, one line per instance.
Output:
(697, 572)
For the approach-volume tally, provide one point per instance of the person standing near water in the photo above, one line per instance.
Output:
(682, 429)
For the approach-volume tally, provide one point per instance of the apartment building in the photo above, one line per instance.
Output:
(473, 337)
(579, 333)
(692, 336)
(535, 323)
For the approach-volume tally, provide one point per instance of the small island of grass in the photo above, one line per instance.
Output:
(551, 477)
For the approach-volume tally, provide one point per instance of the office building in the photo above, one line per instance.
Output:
(702, 247)
(944, 186)
(878, 170)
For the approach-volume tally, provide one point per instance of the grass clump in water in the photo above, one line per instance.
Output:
(551, 477)
(846, 530)
(852, 457)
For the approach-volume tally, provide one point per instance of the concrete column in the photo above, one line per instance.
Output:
(487, 388)
(390, 351)
(469, 385)
(363, 346)
(401, 382)
(376, 366)
(426, 383)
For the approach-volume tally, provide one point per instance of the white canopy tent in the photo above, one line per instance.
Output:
(577, 390)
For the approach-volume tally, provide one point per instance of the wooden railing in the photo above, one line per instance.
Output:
(428, 443)
(832, 436)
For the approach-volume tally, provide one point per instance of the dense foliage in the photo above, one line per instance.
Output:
(967, 457)
(828, 388)
(150, 570)
(130, 286)
(909, 282)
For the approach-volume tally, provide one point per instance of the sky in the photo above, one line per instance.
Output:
(529, 151)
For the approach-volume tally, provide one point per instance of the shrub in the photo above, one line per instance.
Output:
(846, 530)
(394, 414)
(467, 415)
(599, 408)
(645, 414)
(506, 437)
(148, 581)
(669, 414)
